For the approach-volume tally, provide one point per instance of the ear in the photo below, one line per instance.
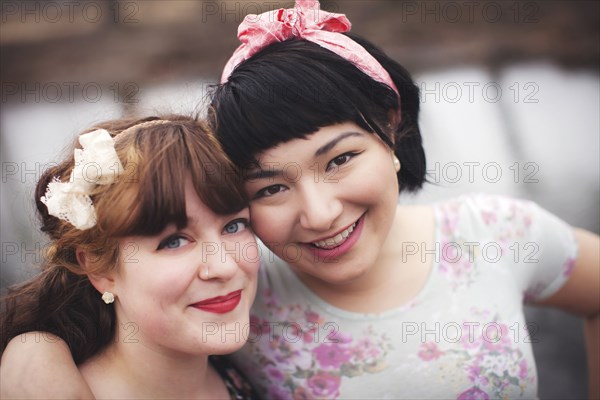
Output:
(103, 282)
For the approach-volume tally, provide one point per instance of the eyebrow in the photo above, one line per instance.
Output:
(333, 142)
(271, 172)
(261, 174)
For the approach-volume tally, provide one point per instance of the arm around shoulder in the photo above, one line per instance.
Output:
(38, 365)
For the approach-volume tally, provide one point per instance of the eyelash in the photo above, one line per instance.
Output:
(244, 222)
(350, 155)
(164, 243)
(263, 192)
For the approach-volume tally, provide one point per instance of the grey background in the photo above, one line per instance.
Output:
(65, 67)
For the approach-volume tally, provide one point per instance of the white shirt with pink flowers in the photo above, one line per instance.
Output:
(464, 336)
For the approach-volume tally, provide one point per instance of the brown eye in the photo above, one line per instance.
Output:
(270, 191)
(341, 160)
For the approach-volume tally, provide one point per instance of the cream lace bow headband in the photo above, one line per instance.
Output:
(96, 163)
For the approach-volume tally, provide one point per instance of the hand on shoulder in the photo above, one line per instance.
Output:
(39, 365)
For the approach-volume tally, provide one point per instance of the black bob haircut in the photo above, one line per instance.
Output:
(291, 89)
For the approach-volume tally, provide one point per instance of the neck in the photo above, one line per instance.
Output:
(138, 370)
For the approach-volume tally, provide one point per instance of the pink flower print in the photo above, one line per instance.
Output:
(358, 353)
(450, 251)
(513, 210)
(469, 338)
(308, 335)
(470, 343)
(268, 293)
(275, 374)
(337, 337)
(283, 351)
(369, 349)
(301, 393)
(312, 317)
(271, 296)
(473, 394)
(568, 267)
(489, 217)
(430, 351)
(496, 337)
(450, 223)
(332, 355)
(324, 384)
(278, 392)
(292, 332)
(523, 369)
(533, 293)
(474, 374)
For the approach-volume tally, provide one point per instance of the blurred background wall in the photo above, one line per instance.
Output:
(510, 99)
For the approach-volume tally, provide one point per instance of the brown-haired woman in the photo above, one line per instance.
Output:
(142, 277)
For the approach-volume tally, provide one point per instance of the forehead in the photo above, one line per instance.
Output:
(195, 208)
(314, 144)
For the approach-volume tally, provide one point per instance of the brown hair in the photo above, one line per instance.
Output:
(143, 200)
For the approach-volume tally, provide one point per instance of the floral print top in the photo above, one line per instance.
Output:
(464, 336)
(235, 382)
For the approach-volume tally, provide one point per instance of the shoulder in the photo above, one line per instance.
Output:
(470, 214)
(46, 357)
(485, 206)
(478, 213)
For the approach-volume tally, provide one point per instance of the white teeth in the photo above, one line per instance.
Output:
(337, 239)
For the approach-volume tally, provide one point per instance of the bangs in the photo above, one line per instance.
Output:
(290, 90)
(157, 161)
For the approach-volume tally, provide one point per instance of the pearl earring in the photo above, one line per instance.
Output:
(396, 164)
(108, 297)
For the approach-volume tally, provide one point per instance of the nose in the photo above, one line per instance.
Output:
(319, 206)
(218, 261)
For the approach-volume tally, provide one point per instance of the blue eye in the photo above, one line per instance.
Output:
(173, 242)
(235, 226)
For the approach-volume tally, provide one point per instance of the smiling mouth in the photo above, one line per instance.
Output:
(335, 241)
(220, 304)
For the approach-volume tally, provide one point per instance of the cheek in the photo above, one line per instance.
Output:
(249, 257)
(373, 185)
(146, 286)
(269, 223)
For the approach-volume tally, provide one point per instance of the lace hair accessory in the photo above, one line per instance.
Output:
(141, 125)
(97, 163)
(306, 21)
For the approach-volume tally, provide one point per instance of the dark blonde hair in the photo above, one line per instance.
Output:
(148, 196)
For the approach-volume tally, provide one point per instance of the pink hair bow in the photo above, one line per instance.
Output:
(306, 21)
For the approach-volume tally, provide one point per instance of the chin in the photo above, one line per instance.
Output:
(340, 277)
(226, 348)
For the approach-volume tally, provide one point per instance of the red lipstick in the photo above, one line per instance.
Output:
(220, 304)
